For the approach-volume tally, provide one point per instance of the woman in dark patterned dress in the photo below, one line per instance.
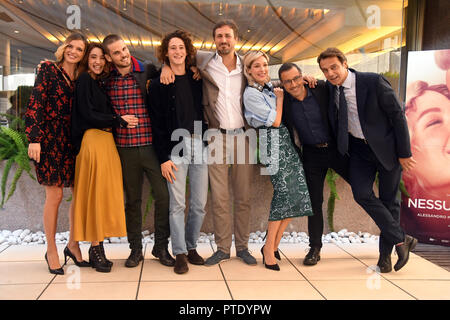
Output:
(263, 109)
(47, 123)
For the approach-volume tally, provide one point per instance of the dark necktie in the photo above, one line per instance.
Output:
(342, 130)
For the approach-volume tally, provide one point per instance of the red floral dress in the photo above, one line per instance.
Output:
(47, 122)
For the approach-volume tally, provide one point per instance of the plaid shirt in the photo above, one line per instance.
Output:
(126, 98)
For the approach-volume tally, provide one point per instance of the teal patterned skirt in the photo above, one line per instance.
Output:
(290, 192)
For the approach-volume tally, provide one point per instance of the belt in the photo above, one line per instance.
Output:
(106, 129)
(358, 139)
(232, 131)
(319, 145)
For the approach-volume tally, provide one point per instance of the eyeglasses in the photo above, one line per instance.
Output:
(296, 79)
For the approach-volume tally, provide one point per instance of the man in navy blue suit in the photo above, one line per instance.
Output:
(370, 126)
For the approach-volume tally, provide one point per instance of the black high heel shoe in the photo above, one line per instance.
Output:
(275, 253)
(275, 266)
(81, 264)
(59, 271)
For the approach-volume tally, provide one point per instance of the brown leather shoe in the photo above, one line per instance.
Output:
(194, 258)
(181, 265)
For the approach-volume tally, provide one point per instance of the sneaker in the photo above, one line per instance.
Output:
(217, 257)
(245, 256)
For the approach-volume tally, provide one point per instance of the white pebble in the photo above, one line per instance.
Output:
(6, 233)
(17, 233)
(25, 233)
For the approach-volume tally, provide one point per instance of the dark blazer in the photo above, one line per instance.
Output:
(162, 109)
(381, 116)
(321, 94)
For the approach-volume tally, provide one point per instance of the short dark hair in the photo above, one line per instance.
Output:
(288, 66)
(186, 38)
(110, 39)
(228, 22)
(330, 53)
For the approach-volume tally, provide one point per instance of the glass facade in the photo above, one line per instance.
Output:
(368, 32)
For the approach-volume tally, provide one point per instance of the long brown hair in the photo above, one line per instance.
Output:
(59, 54)
(84, 64)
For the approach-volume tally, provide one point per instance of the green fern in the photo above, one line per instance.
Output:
(331, 181)
(5, 175)
(13, 149)
(13, 186)
(16, 137)
(403, 190)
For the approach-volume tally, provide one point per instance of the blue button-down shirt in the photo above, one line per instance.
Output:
(308, 120)
(260, 106)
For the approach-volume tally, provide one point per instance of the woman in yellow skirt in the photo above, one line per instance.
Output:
(98, 191)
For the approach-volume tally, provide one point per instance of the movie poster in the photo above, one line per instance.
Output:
(426, 214)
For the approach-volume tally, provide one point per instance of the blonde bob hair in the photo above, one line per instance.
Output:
(59, 54)
(249, 58)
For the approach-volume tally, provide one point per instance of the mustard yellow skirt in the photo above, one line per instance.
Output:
(99, 210)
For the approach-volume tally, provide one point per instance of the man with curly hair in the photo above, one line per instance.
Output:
(178, 106)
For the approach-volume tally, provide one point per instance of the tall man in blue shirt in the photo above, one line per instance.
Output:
(305, 114)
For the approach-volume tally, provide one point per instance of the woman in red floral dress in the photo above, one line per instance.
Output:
(48, 130)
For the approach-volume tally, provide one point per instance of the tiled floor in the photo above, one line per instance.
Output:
(345, 272)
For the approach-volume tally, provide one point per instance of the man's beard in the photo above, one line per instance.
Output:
(224, 49)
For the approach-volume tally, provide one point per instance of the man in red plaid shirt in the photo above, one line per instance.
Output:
(126, 88)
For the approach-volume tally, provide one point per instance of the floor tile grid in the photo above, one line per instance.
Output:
(140, 273)
(408, 287)
(137, 291)
(309, 282)
(290, 262)
(380, 274)
(3, 247)
(223, 275)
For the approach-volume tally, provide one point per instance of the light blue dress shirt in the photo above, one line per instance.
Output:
(260, 106)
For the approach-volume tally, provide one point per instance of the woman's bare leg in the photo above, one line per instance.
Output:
(284, 223)
(72, 244)
(272, 231)
(53, 197)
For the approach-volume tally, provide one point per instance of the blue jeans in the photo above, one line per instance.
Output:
(184, 237)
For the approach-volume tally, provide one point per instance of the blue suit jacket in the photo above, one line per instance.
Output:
(381, 116)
